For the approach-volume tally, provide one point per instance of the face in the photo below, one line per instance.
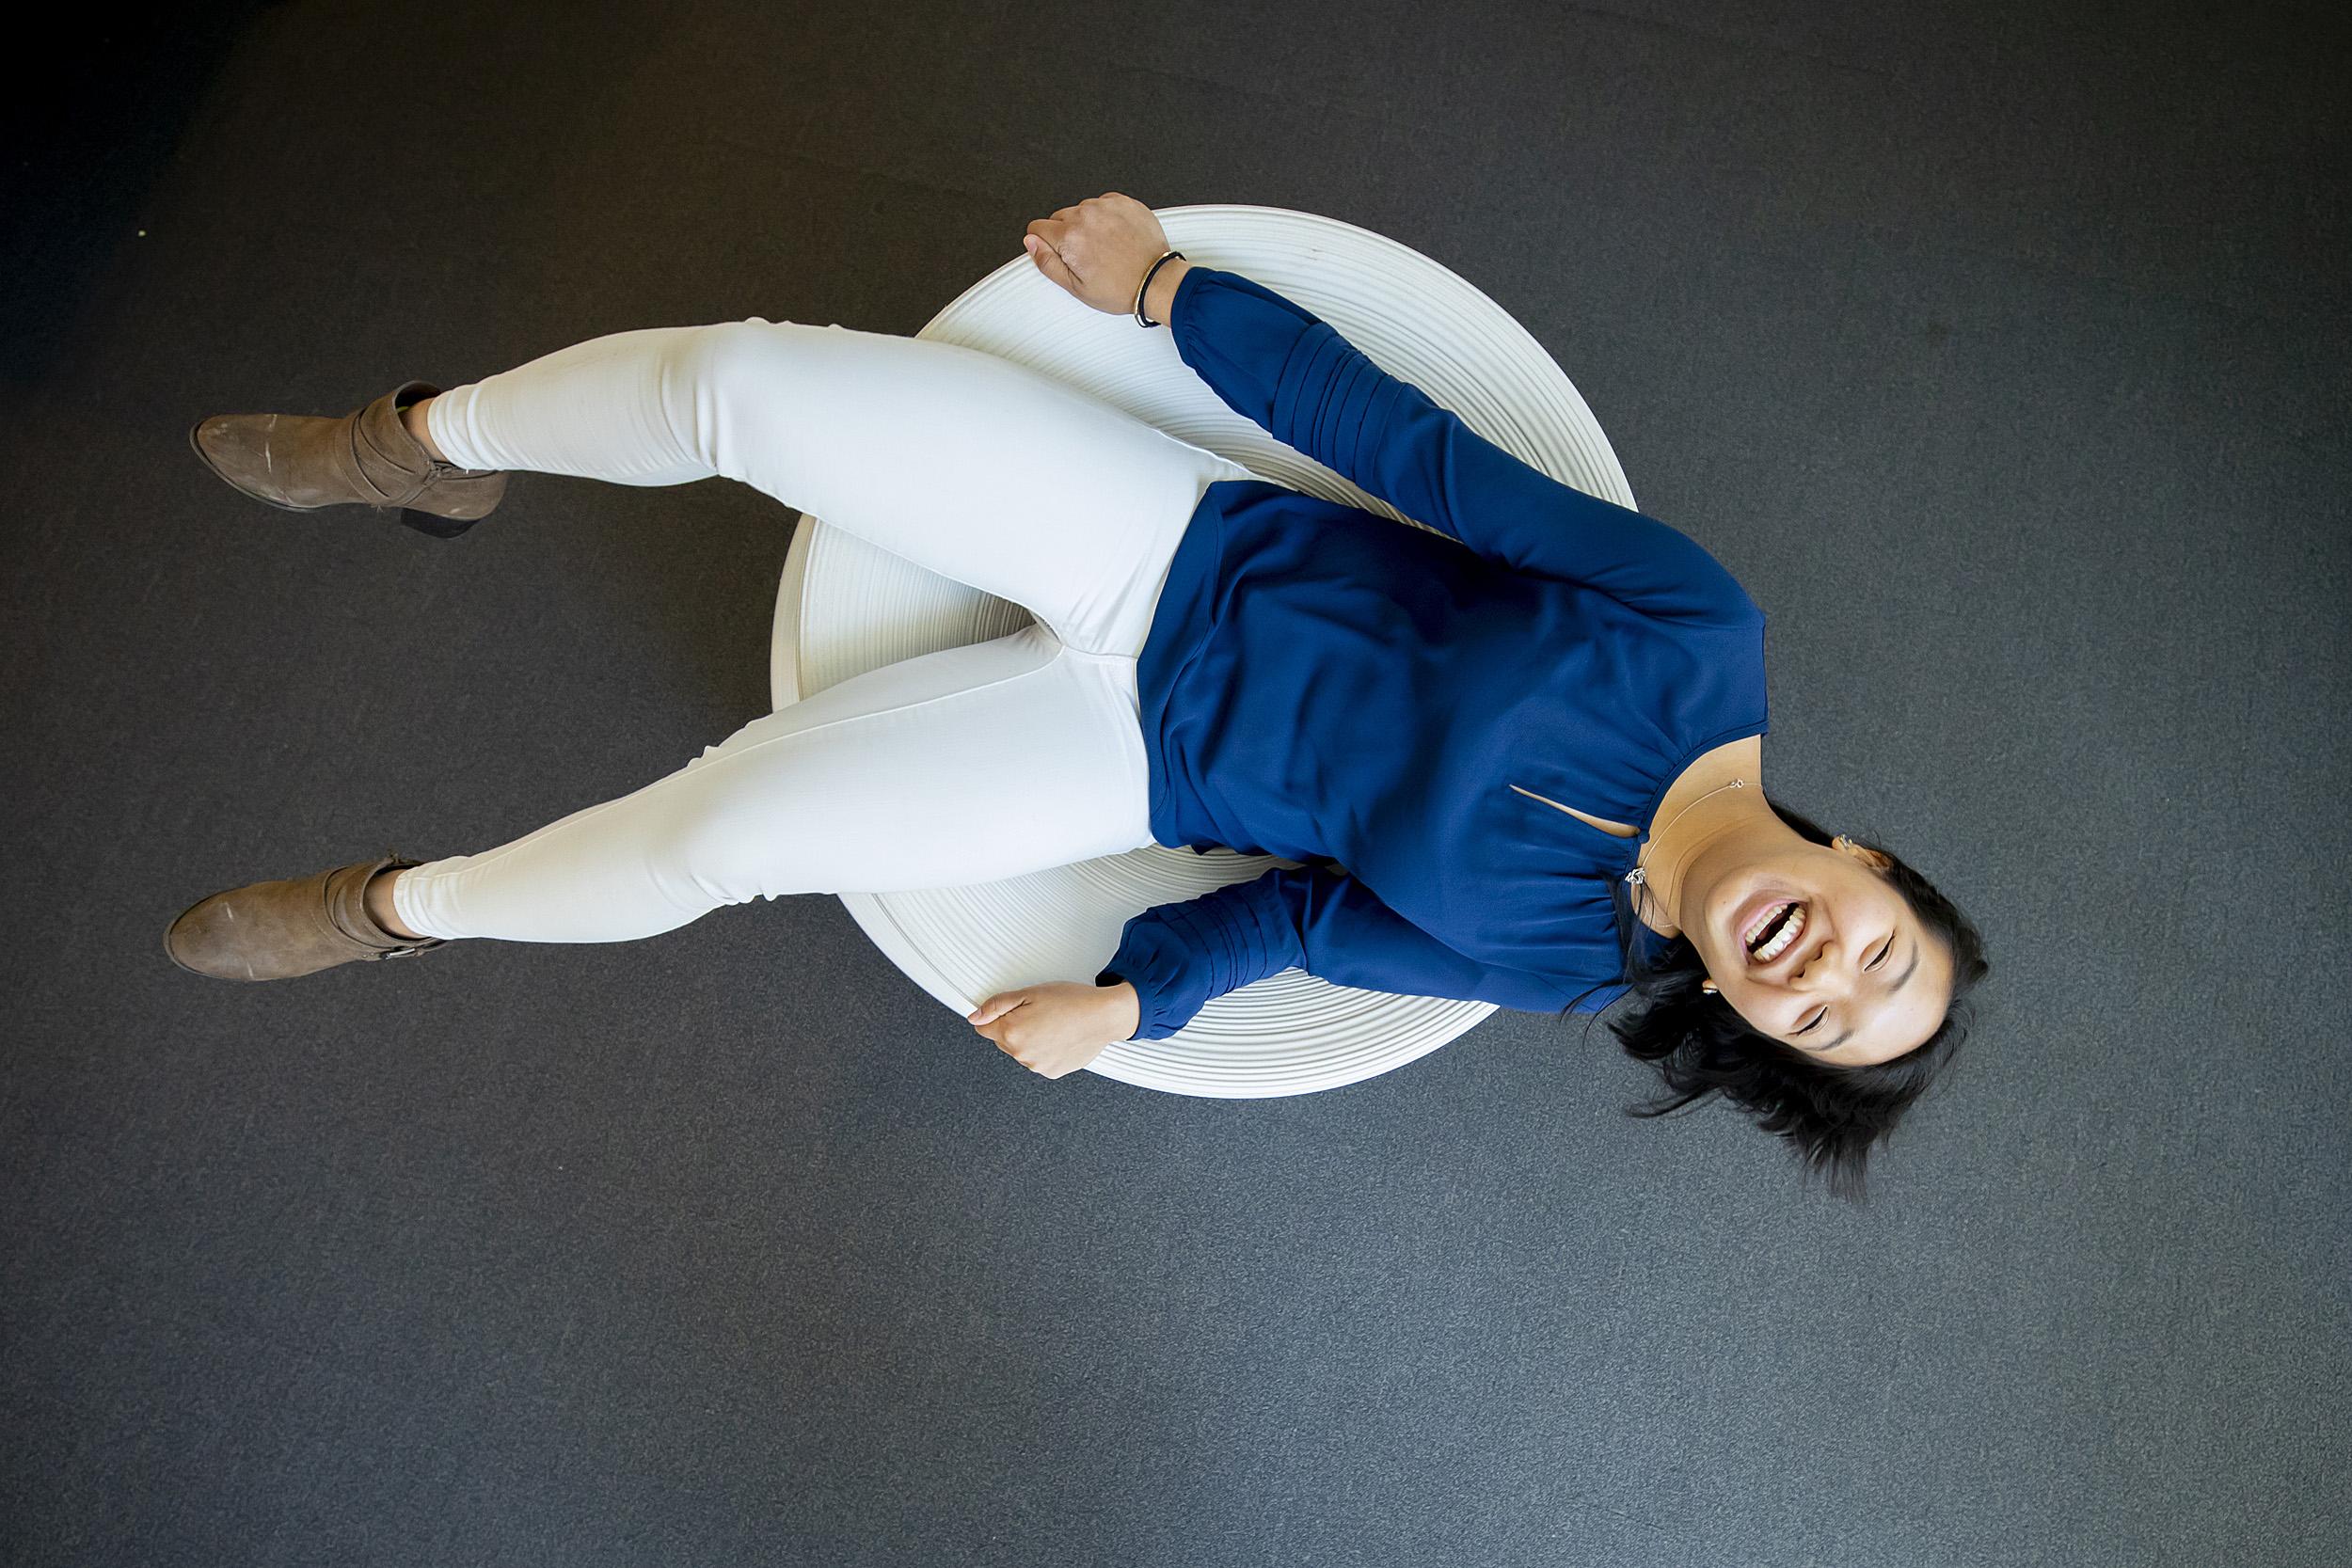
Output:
(1815, 947)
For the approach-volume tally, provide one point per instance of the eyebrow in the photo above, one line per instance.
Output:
(1901, 981)
(1905, 978)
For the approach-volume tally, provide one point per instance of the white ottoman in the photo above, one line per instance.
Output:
(845, 607)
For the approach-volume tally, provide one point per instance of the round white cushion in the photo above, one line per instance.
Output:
(845, 607)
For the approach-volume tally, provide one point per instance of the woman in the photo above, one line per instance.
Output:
(1525, 771)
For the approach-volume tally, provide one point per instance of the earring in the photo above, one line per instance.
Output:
(1709, 988)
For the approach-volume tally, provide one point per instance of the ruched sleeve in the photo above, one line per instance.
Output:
(1179, 956)
(1274, 363)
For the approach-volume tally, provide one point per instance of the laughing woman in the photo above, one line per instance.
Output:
(1532, 743)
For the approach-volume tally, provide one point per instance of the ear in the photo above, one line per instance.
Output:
(1866, 855)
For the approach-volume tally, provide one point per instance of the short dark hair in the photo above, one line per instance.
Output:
(1831, 1117)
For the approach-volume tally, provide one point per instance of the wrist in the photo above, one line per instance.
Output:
(1159, 296)
(1122, 1010)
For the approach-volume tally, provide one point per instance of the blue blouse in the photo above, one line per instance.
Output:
(1322, 684)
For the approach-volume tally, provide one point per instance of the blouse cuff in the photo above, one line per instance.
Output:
(1179, 956)
(1155, 964)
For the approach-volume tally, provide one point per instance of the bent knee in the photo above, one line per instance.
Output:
(726, 377)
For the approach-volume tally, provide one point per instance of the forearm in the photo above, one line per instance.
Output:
(1178, 956)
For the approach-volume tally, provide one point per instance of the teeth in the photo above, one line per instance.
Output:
(1765, 924)
(1790, 929)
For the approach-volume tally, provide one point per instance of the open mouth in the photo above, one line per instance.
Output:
(1774, 932)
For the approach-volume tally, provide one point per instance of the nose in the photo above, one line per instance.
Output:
(1823, 973)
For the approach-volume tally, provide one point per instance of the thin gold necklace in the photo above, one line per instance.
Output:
(1638, 877)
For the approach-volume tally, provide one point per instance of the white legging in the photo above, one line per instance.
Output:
(966, 766)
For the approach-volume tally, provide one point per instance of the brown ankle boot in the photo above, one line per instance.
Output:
(302, 463)
(276, 931)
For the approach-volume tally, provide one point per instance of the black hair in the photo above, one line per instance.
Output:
(1831, 1117)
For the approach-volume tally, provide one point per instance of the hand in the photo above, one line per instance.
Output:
(1057, 1028)
(1101, 248)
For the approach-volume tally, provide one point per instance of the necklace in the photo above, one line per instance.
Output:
(1639, 877)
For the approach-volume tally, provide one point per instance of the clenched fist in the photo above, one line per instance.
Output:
(1057, 1028)
(1101, 248)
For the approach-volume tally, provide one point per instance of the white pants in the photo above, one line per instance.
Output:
(966, 766)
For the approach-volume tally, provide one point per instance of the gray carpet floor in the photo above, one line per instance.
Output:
(2001, 349)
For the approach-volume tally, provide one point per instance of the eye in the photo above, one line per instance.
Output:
(1814, 1023)
(1881, 955)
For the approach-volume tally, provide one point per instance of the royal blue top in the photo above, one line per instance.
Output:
(1323, 684)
